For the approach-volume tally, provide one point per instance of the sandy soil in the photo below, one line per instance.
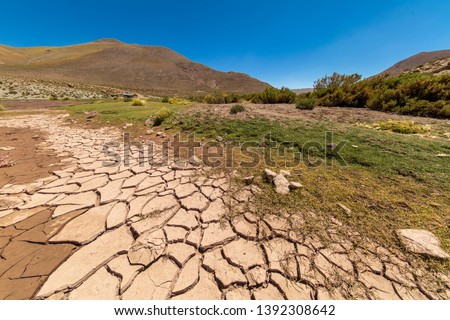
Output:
(29, 163)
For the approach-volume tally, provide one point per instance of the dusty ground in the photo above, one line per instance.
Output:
(90, 231)
(28, 161)
(33, 105)
(288, 111)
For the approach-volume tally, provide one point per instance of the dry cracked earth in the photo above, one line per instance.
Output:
(91, 231)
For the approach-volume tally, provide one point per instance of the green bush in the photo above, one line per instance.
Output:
(2, 108)
(274, 95)
(413, 93)
(237, 108)
(221, 98)
(165, 100)
(137, 102)
(53, 97)
(66, 98)
(162, 116)
(306, 103)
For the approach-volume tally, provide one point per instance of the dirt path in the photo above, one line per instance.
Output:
(91, 231)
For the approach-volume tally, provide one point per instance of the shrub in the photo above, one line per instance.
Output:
(165, 100)
(237, 108)
(2, 108)
(306, 103)
(274, 95)
(162, 116)
(137, 102)
(221, 98)
(406, 127)
(65, 98)
(53, 97)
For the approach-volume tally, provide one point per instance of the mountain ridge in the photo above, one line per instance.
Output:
(110, 62)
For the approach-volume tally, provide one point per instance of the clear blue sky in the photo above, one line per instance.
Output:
(285, 42)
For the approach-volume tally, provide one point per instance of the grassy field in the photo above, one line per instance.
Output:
(388, 181)
(119, 112)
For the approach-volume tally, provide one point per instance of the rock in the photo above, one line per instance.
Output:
(195, 161)
(346, 210)
(149, 122)
(219, 139)
(8, 148)
(281, 184)
(269, 175)
(91, 114)
(331, 146)
(159, 134)
(422, 242)
(248, 180)
(285, 173)
(295, 185)
(149, 131)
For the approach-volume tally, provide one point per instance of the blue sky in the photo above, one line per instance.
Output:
(285, 42)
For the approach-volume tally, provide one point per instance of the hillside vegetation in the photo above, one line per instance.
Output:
(410, 93)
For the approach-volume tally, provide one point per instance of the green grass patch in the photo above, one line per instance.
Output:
(121, 112)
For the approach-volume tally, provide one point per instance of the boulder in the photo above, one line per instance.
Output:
(422, 242)
(149, 122)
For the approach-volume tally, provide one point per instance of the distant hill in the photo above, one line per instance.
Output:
(304, 90)
(416, 61)
(111, 63)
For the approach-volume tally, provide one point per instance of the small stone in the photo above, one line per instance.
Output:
(248, 180)
(346, 210)
(219, 139)
(285, 173)
(281, 184)
(91, 114)
(422, 242)
(295, 185)
(195, 161)
(8, 148)
(269, 175)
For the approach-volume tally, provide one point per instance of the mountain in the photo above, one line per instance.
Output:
(114, 64)
(416, 61)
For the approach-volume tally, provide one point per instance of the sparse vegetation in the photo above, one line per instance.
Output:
(52, 97)
(406, 127)
(165, 100)
(237, 108)
(2, 108)
(137, 102)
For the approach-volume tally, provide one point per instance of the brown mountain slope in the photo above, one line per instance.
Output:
(416, 61)
(115, 64)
